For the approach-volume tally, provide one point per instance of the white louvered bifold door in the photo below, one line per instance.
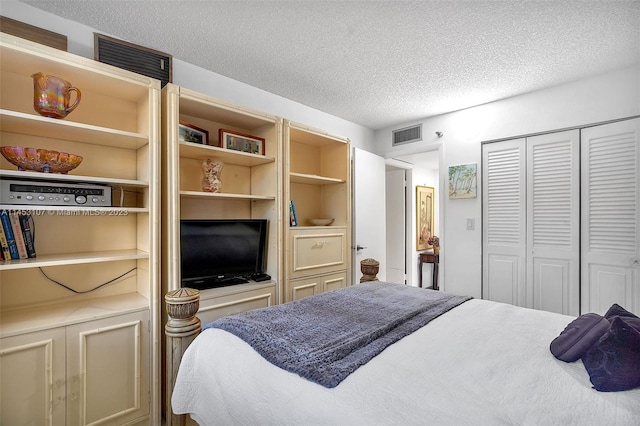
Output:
(610, 216)
(553, 222)
(503, 222)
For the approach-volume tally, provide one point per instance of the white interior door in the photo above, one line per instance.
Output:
(396, 226)
(553, 222)
(503, 222)
(611, 216)
(368, 211)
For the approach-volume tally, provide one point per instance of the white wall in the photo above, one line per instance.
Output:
(610, 96)
(606, 97)
(80, 42)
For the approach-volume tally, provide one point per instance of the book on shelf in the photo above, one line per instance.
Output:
(293, 217)
(4, 246)
(27, 234)
(17, 234)
(9, 237)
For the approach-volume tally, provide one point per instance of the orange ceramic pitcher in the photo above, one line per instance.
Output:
(51, 96)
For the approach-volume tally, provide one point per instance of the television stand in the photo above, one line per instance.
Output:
(213, 282)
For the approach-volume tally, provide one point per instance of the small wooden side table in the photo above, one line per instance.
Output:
(435, 260)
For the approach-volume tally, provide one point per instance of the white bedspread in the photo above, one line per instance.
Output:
(483, 363)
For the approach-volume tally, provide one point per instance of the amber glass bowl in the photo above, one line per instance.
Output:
(40, 160)
(321, 222)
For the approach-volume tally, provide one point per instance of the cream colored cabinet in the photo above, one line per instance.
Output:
(316, 284)
(318, 250)
(317, 179)
(94, 372)
(250, 183)
(233, 300)
(33, 384)
(92, 262)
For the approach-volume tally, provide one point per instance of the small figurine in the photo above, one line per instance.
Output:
(212, 170)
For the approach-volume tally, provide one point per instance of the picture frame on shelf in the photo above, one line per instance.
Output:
(243, 142)
(194, 134)
(424, 216)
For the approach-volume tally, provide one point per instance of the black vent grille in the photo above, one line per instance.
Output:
(407, 135)
(138, 59)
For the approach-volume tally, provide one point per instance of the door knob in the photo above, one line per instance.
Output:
(359, 247)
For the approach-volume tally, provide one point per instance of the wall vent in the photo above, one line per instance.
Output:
(407, 135)
(132, 57)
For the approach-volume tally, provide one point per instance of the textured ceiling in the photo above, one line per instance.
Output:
(379, 63)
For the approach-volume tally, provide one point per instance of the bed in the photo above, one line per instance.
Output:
(476, 363)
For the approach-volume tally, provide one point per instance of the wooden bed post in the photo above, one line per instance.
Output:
(182, 327)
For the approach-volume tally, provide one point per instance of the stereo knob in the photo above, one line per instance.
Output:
(41, 197)
(66, 199)
(81, 199)
(94, 199)
(29, 197)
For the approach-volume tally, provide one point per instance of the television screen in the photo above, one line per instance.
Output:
(217, 252)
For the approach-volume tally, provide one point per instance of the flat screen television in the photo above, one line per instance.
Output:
(221, 252)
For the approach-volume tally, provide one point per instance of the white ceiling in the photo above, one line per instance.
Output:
(379, 63)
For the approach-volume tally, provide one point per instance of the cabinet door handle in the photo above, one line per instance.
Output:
(320, 244)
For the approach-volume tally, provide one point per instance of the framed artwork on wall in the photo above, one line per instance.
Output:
(462, 181)
(424, 216)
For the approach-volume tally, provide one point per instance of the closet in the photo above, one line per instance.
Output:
(560, 219)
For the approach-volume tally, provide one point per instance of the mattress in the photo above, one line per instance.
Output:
(482, 363)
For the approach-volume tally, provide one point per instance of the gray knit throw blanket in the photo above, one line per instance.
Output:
(325, 338)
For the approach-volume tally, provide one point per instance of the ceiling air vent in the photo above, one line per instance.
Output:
(407, 135)
(132, 57)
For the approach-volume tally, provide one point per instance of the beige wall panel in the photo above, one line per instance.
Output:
(97, 160)
(304, 158)
(194, 208)
(235, 179)
(82, 231)
(333, 163)
(22, 287)
(308, 202)
(264, 180)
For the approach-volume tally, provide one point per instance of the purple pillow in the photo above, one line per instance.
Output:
(613, 363)
(617, 310)
(578, 337)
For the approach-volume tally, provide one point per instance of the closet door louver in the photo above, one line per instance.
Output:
(504, 189)
(611, 216)
(553, 222)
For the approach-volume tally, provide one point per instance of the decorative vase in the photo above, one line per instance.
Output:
(212, 170)
(369, 268)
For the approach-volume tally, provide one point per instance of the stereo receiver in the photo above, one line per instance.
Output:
(35, 193)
